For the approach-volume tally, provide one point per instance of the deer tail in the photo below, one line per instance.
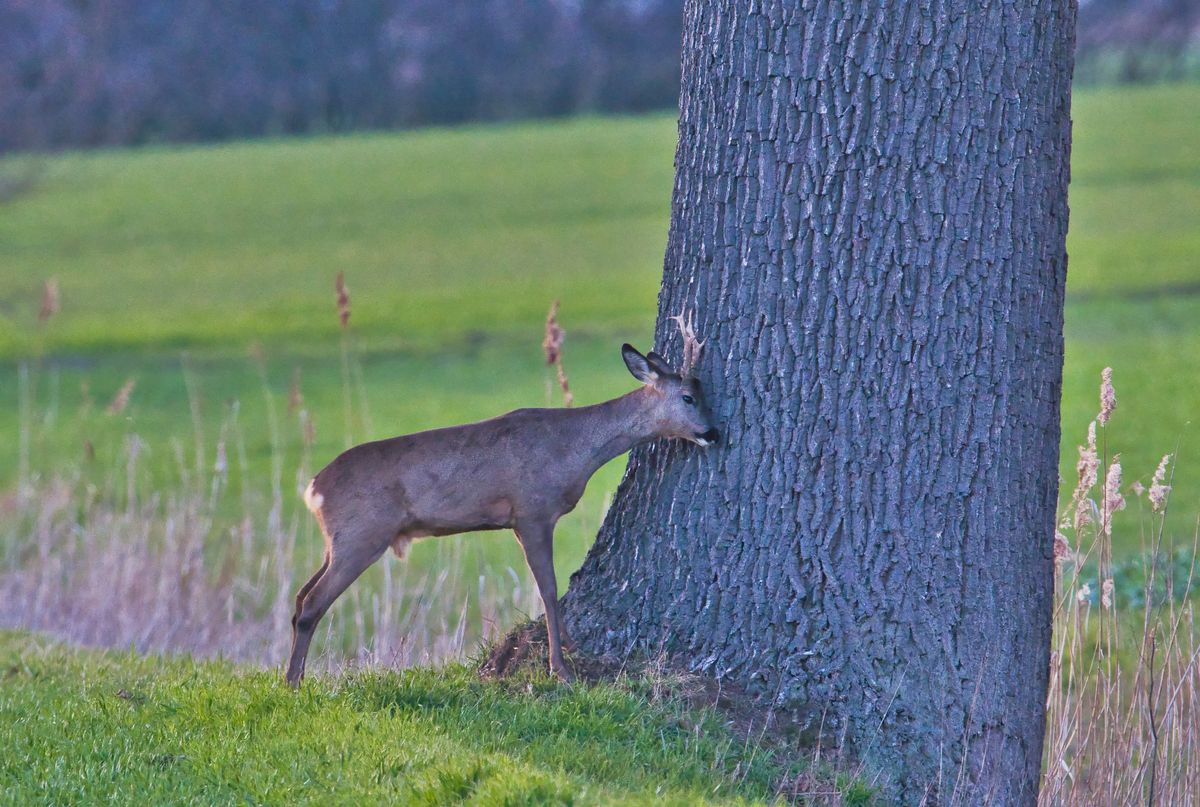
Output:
(312, 499)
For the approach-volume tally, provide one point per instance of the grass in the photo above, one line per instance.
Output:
(1135, 189)
(83, 727)
(441, 232)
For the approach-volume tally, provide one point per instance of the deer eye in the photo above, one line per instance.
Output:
(689, 400)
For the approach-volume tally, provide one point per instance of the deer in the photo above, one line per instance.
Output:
(521, 471)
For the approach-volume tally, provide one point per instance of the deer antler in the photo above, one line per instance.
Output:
(691, 345)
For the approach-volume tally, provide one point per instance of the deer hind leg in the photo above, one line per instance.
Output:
(347, 561)
(303, 592)
(538, 542)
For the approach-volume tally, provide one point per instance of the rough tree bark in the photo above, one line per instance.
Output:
(869, 219)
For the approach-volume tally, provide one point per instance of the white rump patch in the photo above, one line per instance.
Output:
(313, 499)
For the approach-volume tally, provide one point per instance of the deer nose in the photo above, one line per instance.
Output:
(712, 435)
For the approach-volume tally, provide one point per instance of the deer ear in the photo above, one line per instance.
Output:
(658, 364)
(637, 364)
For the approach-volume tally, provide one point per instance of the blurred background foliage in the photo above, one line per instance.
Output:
(124, 72)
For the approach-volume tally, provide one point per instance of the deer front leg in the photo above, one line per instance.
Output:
(538, 542)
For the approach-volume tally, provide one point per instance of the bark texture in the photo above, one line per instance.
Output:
(869, 219)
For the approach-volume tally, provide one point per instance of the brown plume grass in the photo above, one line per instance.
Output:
(552, 346)
(1123, 721)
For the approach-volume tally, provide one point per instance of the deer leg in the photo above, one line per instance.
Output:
(538, 542)
(303, 592)
(344, 568)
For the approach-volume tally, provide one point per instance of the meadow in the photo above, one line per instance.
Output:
(191, 373)
(82, 727)
(205, 274)
(454, 243)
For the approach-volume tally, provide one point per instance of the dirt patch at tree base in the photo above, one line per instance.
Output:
(525, 650)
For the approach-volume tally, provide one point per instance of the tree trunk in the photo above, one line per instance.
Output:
(869, 220)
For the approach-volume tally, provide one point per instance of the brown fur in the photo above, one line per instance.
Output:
(520, 471)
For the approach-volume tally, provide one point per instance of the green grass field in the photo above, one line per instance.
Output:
(454, 242)
(83, 727)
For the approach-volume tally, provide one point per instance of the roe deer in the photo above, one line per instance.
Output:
(523, 471)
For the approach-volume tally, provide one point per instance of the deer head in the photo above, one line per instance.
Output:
(677, 400)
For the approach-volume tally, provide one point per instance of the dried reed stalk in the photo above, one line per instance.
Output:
(1123, 718)
(552, 344)
(50, 300)
(343, 299)
(121, 399)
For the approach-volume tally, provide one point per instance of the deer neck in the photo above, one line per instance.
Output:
(609, 429)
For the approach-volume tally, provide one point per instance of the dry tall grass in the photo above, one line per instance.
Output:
(1123, 721)
(195, 569)
(171, 570)
(552, 346)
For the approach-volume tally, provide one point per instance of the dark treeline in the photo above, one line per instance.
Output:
(106, 72)
(1137, 40)
(96, 72)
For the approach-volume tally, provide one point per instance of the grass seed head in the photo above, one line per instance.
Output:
(1108, 396)
(1159, 490)
(552, 344)
(1062, 548)
(121, 399)
(50, 300)
(1088, 468)
(1113, 500)
(343, 299)
(553, 341)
